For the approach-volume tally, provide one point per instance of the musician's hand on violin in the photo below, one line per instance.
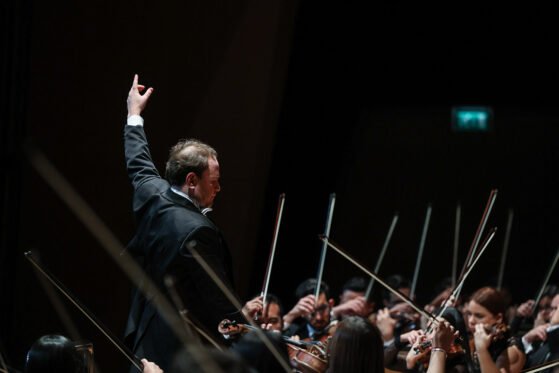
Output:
(386, 324)
(356, 306)
(412, 336)
(304, 307)
(150, 367)
(253, 307)
(536, 334)
(482, 339)
(416, 354)
(444, 335)
(525, 309)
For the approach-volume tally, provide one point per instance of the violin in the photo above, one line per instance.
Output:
(496, 331)
(312, 360)
(456, 348)
(304, 356)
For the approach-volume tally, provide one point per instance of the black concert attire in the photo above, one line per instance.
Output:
(168, 221)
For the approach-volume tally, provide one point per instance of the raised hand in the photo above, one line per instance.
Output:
(137, 101)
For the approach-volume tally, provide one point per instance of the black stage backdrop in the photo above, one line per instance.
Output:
(305, 99)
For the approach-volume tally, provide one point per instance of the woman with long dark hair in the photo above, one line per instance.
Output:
(356, 347)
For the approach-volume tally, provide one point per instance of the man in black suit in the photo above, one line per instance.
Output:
(170, 216)
(542, 342)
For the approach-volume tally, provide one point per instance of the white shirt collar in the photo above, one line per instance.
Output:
(176, 190)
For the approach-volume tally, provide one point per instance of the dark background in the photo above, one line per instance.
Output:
(303, 98)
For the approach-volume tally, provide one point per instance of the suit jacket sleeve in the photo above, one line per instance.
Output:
(142, 172)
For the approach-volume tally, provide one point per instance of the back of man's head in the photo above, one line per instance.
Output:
(187, 156)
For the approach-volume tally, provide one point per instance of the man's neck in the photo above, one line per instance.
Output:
(177, 190)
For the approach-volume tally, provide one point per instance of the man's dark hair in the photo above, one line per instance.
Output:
(187, 156)
(54, 353)
(356, 347)
(271, 298)
(551, 290)
(396, 282)
(309, 287)
(357, 284)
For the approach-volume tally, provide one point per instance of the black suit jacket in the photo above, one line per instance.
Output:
(166, 222)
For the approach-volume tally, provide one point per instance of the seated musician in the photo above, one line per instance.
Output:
(352, 299)
(440, 344)
(397, 319)
(309, 319)
(55, 353)
(494, 349)
(272, 318)
(356, 347)
(542, 342)
(522, 321)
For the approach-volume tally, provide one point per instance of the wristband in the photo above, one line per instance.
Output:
(439, 350)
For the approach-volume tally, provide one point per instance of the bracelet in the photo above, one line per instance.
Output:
(435, 349)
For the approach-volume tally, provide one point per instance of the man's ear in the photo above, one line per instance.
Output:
(331, 302)
(191, 180)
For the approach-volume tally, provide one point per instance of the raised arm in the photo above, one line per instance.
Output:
(138, 159)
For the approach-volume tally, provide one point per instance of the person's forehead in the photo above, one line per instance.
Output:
(213, 167)
(473, 306)
(555, 301)
(273, 309)
(350, 294)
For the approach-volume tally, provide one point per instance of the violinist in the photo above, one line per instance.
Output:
(54, 353)
(522, 320)
(542, 342)
(441, 342)
(493, 349)
(272, 315)
(309, 318)
(356, 347)
(456, 351)
(352, 299)
(407, 319)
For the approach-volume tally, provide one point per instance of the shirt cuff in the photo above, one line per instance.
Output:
(527, 346)
(389, 343)
(135, 120)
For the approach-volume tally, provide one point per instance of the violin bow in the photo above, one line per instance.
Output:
(456, 291)
(266, 283)
(235, 302)
(88, 314)
(329, 217)
(407, 300)
(3, 364)
(420, 251)
(456, 242)
(61, 311)
(545, 281)
(477, 236)
(381, 256)
(541, 367)
(505, 249)
(113, 247)
(480, 228)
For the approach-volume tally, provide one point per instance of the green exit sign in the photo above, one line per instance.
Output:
(472, 119)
